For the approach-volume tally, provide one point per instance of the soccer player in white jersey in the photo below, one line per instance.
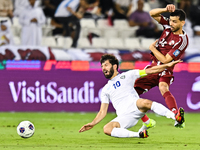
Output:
(128, 105)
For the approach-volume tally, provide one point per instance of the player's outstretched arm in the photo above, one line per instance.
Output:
(155, 13)
(159, 68)
(164, 59)
(101, 114)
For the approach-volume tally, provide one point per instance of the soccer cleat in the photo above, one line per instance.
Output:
(180, 116)
(145, 126)
(143, 134)
(181, 126)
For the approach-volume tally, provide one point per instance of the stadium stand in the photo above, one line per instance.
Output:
(97, 32)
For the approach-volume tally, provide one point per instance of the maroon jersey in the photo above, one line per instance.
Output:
(169, 43)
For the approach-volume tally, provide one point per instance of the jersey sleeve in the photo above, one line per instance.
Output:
(133, 74)
(104, 97)
(179, 48)
(164, 21)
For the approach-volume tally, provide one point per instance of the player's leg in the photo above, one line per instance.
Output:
(169, 98)
(144, 105)
(118, 127)
(164, 90)
(114, 129)
(142, 85)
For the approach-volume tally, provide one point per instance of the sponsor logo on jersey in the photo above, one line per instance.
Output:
(162, 42)
(122, 77)
(171, 42)
(176, 53)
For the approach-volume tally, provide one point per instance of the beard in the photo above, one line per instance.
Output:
(175, 29)
(111, 72)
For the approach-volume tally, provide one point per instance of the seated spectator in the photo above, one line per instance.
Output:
(19, 5)
(147, 27)
(32, 18)
(6, 37)
(50, 7)
(122, 9)
(6, 8)
(69, 14)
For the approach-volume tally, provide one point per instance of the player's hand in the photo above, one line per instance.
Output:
(170, 8)
(144, 24)
(171, 64)
(34, 20)
(86, 127)
(153, 45)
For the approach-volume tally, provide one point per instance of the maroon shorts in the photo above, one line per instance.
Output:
(153, 80)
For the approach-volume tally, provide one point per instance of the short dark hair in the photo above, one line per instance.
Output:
(111, 58)
(180, 13)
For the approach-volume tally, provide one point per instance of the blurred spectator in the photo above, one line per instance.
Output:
(6, 37)
(197, 31)
(91, 7)
(195, 13)
(69, 13)
(19, 5)
(50, 7)
(105, 7)
(58, 27)
(32, 18)
(142, 19)
(164, 3)
(122, 9)
(188, 28)
(94, 8)
(6, 8)
(185, 5)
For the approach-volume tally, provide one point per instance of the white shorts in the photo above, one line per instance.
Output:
(129, 120)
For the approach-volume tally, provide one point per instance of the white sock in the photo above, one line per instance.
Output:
(142, 128)
(147, 122)
(123, 133)
(162, 110)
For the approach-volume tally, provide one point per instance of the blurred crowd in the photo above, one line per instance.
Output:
(64, 17)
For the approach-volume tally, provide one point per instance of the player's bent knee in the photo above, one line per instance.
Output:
(144, 105)
(147, 104)
(107, 129)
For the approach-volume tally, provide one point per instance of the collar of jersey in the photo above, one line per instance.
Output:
(113, 79)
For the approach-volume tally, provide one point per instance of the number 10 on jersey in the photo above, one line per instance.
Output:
(117, 84)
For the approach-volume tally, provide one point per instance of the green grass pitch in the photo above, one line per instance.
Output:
(59, 131)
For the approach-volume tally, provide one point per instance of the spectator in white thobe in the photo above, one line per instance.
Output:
(32, 19)
(6, 36)
(19, 6)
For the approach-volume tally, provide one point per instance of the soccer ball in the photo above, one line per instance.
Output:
(25, 129)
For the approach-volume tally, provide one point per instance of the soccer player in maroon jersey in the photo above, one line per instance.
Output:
(170, 46)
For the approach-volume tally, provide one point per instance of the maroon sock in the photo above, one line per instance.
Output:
(170, 101)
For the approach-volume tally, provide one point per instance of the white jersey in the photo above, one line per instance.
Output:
(120, 91)
(62, 8)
